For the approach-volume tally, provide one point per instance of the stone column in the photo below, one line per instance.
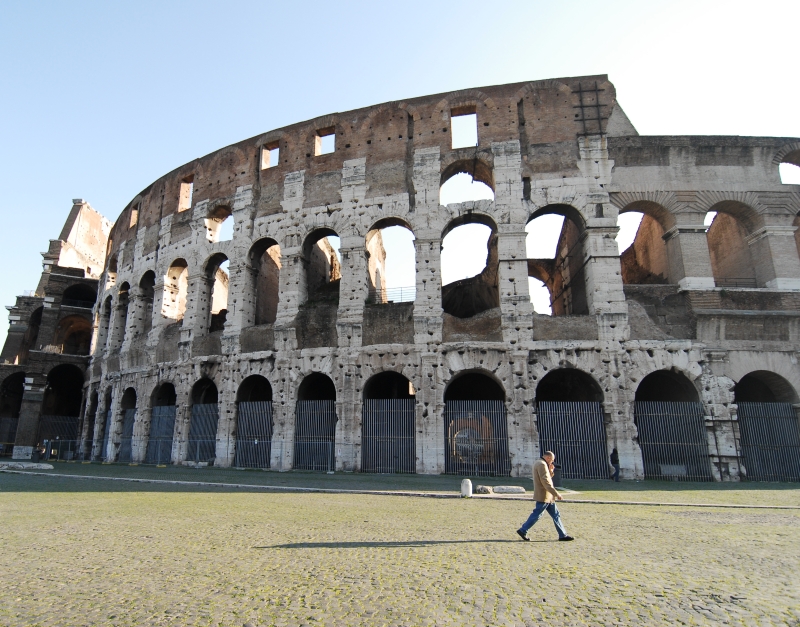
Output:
(353, 291)
(774, 252)
(429, 424)
(348, 410)
(226, 426)
(141, 427)
(687, 253)
(29, 413)
(522, 436)
(198, 306)
(605, 297)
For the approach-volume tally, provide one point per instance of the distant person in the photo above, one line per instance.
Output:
(615, 464)
(545, 495)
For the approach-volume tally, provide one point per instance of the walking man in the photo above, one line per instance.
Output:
(615, 464)
(545, 495)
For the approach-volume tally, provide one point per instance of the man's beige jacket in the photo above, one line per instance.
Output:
(543, 489)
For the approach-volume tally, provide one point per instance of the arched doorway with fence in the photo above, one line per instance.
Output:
(315, 424)
(768, 427)
(254, 423)
(388, 443)
(672, 434)
(162, 425)
(128, 406)
(61, 408)
(476, 427)
(569, 416)
(202, 443)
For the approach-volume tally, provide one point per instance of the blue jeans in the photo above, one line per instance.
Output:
(537, 513)
(615, 476)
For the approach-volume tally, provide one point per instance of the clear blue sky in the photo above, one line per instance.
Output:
(101, 98)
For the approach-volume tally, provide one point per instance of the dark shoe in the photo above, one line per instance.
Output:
(566, 539)
(523, 535)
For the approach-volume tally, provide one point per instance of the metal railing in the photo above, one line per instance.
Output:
(575, 432)
(673, 440)
(202, 443)
(388, 295)
(476, 439)
(742, 282)
(125, 453)
(770, 441)
(254, 435)
(314, 434)
(388, 443)
(80, 304)
(162, 426)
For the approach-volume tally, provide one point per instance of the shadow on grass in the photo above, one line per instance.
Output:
(397, 543)
(600, 485)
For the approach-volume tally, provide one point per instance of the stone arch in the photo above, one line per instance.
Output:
(569, 385)
(315, 423)
(322, 268)
(764, 386)
(480, 167)
(563, 275)
(263, 282)
(73, 335)
(79, 295)
(147, 286)
(128, 407)
(646, 260)
(254, 389)
(204, 421)
(218, 212)
(213, 292)
(176, 287)
(667, 386)
(729, 245)
(61, 409)
(474, 384)
(254, 423)
(788, 153)
(316, 386)
(163, 401)
(388, 434)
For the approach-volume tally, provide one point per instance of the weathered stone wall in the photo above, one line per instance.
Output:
(559, 146)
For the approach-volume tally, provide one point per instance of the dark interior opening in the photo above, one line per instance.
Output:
(764, 387)
(11, 395)
(64, 391)
(254, 389)
(204, 392)
(388, 385)
(569, 385)
(79, 294)
(316, 387)
(128, 399)
(164, 395)
(474, 386)
(666, 386)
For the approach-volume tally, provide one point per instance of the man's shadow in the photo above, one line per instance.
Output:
(396, 543)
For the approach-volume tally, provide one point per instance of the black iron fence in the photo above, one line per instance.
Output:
(740, 282)
(254, 435)
(202, 443)
(162, 427)
(575, 432)
(314, 435)
(770, 441)
(8, 433)
(125, 453)
(391, 295)
(388, 443)
(673, 440)
(476, 439)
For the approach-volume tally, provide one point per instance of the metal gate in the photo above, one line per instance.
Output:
(162, 427)
(202, 444)
(314, 435)
(8, 433)
(576, 434)
(106, 432)
(673, 440)
(476, 437)
(58, 435)
(770, 438)
(388, 444)
(254, 435)
(126, 441)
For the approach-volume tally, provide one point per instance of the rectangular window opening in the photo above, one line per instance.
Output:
(325, 141)
(187, 189)
(270, 156)
(135, 214)
(464, 127)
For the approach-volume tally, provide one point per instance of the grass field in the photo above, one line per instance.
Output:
(92, 552)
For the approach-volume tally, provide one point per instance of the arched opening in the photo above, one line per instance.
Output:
(111, 270)
(128, 407)
(120, 322)
(388, 443)
(79, 295)
(391, 262)
(569, 416)
(672, 433)
(73, 335)
(466, 180)
(731, 257)
(147, 286)
(202, 443)
(264, 277)
(254, 423)
(322, 264)
(315, 424)
(61, 410)
(29, 339)
(476, 427)
(789, 173)
(11, 391)
(643, 252)
(162, 424)
(219, 224)
(470, 279)
(176, 285)
(556, 261)
(217, 279)
(768, 427)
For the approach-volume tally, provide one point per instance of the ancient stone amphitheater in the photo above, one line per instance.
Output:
(681, 352)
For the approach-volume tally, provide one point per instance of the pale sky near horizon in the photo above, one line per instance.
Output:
(103, 98)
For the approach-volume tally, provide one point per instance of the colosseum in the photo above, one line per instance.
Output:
(284, 346)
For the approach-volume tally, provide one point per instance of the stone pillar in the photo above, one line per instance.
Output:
(29, 413)
(183, 417)
(226, 427)
(429, 423)
(774, 252)
(141, 427)
(687, 253)
(522, 436)
(198, 306)
(283, 416)
(621, 433)
(353, 291)
(605, 297)
(99, 425)
(348, 410)
(515, 301)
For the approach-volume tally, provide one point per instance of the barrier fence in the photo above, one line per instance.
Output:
(125, 452)
(254, 435)
(314, 435)
(476, 439)
(162, 427)
(202, 443)
(575, 432)
(770, 441)
(388, 443)
(673, 440)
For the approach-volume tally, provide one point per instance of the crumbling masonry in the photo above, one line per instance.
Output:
(303, 359)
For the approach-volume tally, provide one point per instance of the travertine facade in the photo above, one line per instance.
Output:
(709, 308)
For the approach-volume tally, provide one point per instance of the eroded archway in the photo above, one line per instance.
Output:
(202, 442)
(315, 424)
(162, 424)
(388, 443)
(254, 423)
